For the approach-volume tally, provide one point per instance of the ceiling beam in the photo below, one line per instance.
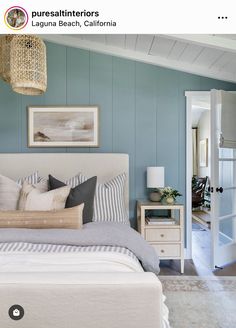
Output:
(206, 40)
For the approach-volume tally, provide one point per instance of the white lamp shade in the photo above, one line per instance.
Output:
(155, 177)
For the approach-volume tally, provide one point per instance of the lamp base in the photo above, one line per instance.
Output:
(155, 196)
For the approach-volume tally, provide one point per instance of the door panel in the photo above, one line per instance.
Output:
(226, 235)
(226, 203)
(227, 113)
(223, 179)
(227, 153)
(226, 174)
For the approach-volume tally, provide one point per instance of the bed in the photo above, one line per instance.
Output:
(103, 276)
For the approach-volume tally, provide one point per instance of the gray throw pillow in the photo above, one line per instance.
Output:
(83, 193)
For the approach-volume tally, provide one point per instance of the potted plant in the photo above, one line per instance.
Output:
(168, 195)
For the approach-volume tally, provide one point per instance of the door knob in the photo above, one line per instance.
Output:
(219, 190)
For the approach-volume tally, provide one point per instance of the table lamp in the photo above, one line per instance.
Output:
(155, 181)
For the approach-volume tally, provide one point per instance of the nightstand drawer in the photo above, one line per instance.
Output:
(154, 234)
(164, 250)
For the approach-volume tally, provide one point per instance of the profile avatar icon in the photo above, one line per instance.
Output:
(16, 18)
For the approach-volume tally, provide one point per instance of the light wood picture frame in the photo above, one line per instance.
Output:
(203, 153)
(63, 126)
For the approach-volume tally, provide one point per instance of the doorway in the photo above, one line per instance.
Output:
(198, 166)
(201, 177)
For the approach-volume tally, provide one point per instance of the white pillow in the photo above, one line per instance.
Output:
(32, 199)
(42, 185)
(10, 191)
(109, 200)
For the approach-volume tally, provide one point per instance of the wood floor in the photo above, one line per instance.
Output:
(203, 217)
(192, 268)
(200, 264)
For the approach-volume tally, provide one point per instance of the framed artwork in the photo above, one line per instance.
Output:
(203, 153)
(63, 126)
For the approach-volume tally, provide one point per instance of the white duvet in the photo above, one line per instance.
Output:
(68, 262)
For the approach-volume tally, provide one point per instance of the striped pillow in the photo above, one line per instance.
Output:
(109, 201)
(31, 179)
(73, 182)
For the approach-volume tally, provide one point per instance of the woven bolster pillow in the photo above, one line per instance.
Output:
(70, 218)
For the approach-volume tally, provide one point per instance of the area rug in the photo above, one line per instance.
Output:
(200, 302)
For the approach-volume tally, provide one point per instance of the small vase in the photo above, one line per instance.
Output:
(169, 200)
(155, 196)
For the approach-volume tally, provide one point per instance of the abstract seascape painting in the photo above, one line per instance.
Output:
(68, 126)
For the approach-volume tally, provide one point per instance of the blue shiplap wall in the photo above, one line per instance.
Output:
(142, 110)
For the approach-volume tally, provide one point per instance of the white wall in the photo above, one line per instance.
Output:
(203, 133)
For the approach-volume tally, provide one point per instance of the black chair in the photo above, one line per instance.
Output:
(198, 191)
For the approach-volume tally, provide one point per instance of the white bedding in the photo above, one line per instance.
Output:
(68, 262)
(28, 257)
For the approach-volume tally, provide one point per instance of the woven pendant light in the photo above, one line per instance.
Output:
(28, 65)
(5, 57)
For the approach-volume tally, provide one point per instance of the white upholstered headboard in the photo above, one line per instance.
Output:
(66, 165)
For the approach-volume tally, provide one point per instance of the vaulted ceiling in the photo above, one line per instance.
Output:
(203, 54)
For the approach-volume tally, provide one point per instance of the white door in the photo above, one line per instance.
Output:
(223, 177)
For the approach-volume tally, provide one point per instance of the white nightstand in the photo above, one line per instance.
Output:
(166, 238)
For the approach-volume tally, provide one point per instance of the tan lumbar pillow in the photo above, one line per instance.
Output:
(69, 218)
(32, 199)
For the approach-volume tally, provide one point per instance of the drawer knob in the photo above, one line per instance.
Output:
(162, 235)
(162, 251)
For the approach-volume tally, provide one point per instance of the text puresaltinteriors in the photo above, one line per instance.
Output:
(65, 13)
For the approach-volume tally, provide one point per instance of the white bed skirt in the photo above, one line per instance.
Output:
(82, 300)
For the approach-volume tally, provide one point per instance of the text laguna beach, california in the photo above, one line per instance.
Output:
(76, 23)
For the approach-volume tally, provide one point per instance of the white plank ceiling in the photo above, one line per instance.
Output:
(207, 55)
